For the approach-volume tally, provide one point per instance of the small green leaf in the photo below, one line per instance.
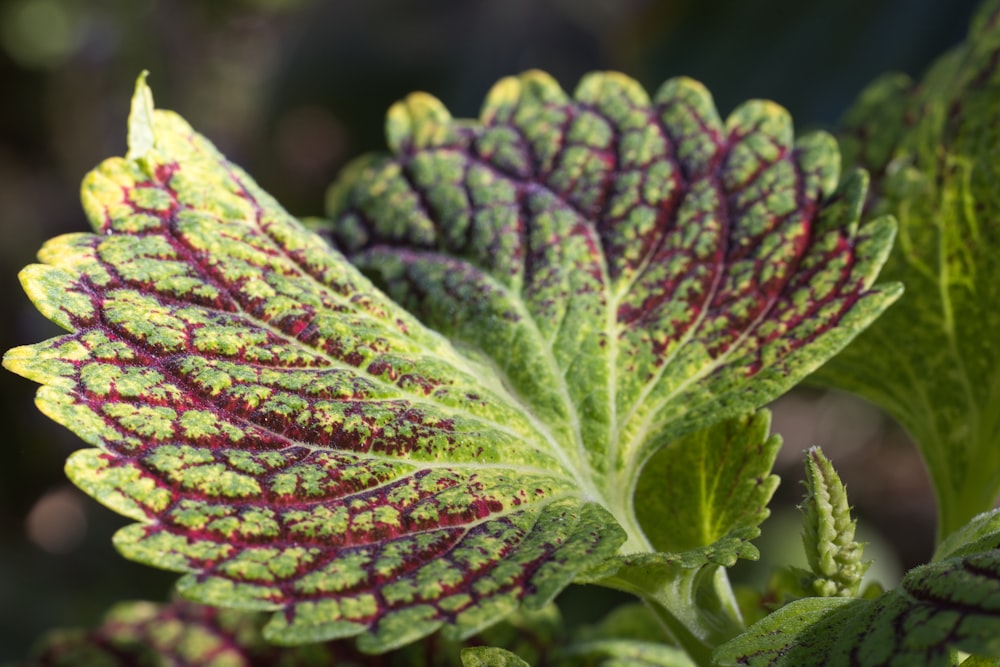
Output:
(933, 361)
(950, 604)
(631, 620)
(488, 656)
(977, 535)
(626, 653)
(709, 485)
(703, 496)
(628, 635)
(833, 556)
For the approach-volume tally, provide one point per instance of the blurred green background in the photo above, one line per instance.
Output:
(291, 89)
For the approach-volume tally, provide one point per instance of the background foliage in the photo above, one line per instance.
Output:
(291, 89)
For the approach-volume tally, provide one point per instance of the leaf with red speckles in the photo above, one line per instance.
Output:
(185, 634)
(181, 634)
(282, 432)
(635, 268)
(594, 277)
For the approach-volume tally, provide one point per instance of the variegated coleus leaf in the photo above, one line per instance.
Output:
(280, 430)
(292, 440)
(185, 634)
(633, 267)
(180, 634)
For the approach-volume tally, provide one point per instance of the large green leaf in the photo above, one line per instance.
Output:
(952, 603)
(933, 361)
(608, 273)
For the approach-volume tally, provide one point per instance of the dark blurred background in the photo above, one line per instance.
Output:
(292, 89)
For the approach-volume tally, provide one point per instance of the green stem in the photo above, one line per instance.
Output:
(696, 606)
(697, 649)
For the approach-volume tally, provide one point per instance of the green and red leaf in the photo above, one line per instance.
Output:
(593, 277)
(185, 634)
(635, 267)
(281, 431)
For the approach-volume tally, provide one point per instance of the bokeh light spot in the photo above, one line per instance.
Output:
(57, 523)
(39, 34)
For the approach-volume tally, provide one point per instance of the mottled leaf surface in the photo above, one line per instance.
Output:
(185, 634)
(952, 603)
(933, 361)
(280, 430)
(655, 267)
(181, 634)
(600, 275)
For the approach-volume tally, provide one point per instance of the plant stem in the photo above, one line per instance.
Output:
(696, 606)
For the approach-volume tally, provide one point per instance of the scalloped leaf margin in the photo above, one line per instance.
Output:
(283, 433)
(294, 441)
(656, 268)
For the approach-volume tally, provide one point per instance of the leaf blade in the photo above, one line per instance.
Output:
(568, 226)
(284, 434)
(930, 147)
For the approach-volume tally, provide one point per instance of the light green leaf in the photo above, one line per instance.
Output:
(141, 136)
(488, 656)
(977, 535)
(628, 635)
(933, 361)
(626, 653)
(709, 485)
(700, 500)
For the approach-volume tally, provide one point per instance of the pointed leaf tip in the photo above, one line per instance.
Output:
(141, 136)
